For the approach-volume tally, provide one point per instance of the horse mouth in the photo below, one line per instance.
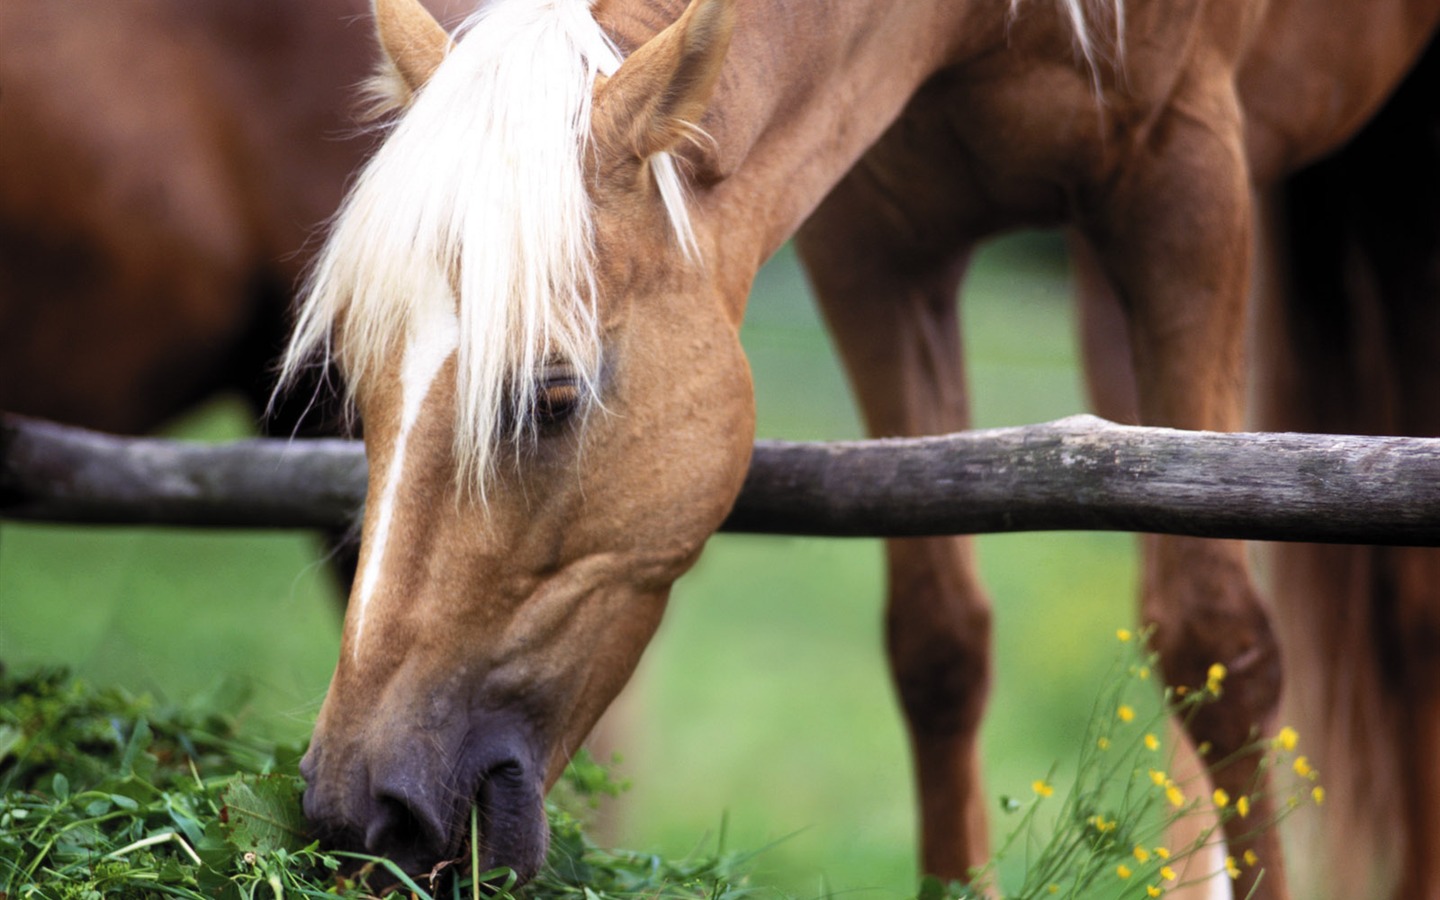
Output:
(404, 824)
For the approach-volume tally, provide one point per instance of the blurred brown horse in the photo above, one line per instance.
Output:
(162, 165)
(535, 289)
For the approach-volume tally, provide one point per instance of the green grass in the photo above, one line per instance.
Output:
(172, 612)
(107, 794)
(765, 696)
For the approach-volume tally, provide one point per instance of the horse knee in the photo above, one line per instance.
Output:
(1242, 645)
(1214, 615)
(938, 637)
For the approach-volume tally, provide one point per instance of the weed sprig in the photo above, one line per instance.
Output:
(1106, 837)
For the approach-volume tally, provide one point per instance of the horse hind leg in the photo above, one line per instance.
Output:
(1360, 626)
(1407, 590)
(1104, 336)
(1348, 338)
(895, 322)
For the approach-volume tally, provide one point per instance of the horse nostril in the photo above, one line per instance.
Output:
(405, 831)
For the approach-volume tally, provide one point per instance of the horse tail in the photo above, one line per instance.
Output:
(1348, 340)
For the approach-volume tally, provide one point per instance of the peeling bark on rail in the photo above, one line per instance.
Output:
(1080, 473)
(1088, 474)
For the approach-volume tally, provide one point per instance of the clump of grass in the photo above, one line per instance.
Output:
(1106, 837)
(105, 794)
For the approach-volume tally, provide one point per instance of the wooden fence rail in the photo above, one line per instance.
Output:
(1079, 473)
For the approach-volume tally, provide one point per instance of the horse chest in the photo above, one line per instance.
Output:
(966, 160)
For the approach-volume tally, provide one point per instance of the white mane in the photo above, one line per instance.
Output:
(1089, 30)
(474, 210)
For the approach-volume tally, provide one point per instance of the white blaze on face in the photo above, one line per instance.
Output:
(431, 338)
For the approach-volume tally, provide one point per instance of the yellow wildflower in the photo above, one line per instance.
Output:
(1103, 743)
(1302, 767)
(1214, 677)
(1167, 873)
(1162, 852)
(1125, 713)
(1175, 796)
(1242, 806)
(1287, 738)
(1158, 777)
(1143, 673)
(1152, 742)
(1040, 787)
(1231, 868)
(1318, 794)
(1141, 854)
(1221, 798)
(1152, 890)
(1123, 635)
(1053, 889)
(1122, 870)
(1250, 858)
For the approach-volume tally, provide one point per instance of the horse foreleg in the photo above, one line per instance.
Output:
(1174, 234)
(897, 330)
(1110, 382)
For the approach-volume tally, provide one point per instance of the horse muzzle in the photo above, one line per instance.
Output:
(413, 805)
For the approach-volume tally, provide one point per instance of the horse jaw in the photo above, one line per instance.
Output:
(485, 637)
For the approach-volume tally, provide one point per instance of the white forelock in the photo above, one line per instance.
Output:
(481, 182)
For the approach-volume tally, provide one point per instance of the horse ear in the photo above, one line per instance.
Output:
(414, 45)
(653, 102)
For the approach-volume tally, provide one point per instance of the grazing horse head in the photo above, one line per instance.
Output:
(556, 409)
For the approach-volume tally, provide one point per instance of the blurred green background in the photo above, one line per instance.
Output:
(764, 701)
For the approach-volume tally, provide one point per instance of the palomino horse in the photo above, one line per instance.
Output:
(534, 292)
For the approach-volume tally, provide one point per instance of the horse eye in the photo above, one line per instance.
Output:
(557, 398)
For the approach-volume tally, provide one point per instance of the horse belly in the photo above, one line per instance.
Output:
(1317, 71)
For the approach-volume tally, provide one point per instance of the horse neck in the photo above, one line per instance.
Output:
(806, 89)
